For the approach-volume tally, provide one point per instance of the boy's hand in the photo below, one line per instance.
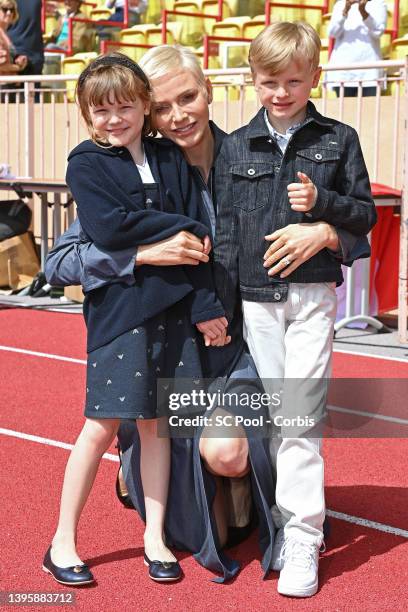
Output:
(302, 196)
(212, 329)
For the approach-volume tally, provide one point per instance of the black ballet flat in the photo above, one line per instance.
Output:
(163, 571)
(77, 575)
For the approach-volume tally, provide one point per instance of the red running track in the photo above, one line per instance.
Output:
(363, 569)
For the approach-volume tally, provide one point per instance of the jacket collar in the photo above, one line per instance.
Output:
(257, 127)
(218, 135)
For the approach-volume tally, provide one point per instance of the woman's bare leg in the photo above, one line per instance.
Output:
(155, 474)
(94, 439)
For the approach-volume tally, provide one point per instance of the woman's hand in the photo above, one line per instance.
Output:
(296, 243)
(181, 249)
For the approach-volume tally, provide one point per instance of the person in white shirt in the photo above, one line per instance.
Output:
(136, 8)
(356, 26)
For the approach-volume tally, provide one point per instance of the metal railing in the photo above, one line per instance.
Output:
(39, 126)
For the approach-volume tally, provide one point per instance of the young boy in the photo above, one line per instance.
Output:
(288, 165)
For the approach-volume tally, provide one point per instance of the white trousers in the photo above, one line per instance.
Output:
(293, 339)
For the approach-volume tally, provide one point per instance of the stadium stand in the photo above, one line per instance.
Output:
(218, 31)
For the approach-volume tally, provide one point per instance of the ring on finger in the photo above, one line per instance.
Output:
(286, 261)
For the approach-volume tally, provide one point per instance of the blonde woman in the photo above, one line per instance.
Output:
(220, 485)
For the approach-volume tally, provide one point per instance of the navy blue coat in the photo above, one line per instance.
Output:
(111, 205)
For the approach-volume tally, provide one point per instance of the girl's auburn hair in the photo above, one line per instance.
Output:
(121, 81)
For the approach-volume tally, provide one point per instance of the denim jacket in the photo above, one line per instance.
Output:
(251, 179)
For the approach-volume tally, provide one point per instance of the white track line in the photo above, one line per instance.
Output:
(71, 359)
(372, 415)
(356, 520)
(336, 350)
(47, 441)
(47, 355)
(338, 515)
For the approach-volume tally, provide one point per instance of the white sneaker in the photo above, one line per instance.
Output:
(299, 575)
(277, 556)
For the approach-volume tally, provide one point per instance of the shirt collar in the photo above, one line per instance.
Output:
(291, 130)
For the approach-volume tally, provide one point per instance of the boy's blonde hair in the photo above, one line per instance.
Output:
(111, 77)
(283, 42)
(165, 59)
(13, 3)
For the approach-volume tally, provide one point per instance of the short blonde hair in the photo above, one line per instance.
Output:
(162, 60)
(283, 42)
(111, 76)
(13, 3)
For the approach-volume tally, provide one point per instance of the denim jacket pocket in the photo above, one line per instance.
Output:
(251, 184)
(320, 163)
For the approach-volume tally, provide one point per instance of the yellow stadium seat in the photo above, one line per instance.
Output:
(230, 27)
(87, 8)
(210, 7)
(154, 34)
(191, 27)
(250, 7)
(75, 65)
(399, 48)
(252, 28)
(98, 14)
(134, 36)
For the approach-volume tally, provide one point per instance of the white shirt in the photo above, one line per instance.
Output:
(282, 140)
(145, 172)
(141, 8)
(356, 40)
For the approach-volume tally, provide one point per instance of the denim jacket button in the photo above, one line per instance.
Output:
(319, 156)
(251, 171)
(277, 296)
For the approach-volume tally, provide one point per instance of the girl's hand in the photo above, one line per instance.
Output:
(212, 329)
(207, 245)
(303, 195)
(296, 243)
(222, 340)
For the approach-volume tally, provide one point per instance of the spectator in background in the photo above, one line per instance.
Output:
(356, 26)
(10, 61)
(136, 8)
(81, 36)
(26, 35)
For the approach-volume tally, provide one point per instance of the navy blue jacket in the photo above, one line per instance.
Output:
(110, 199)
